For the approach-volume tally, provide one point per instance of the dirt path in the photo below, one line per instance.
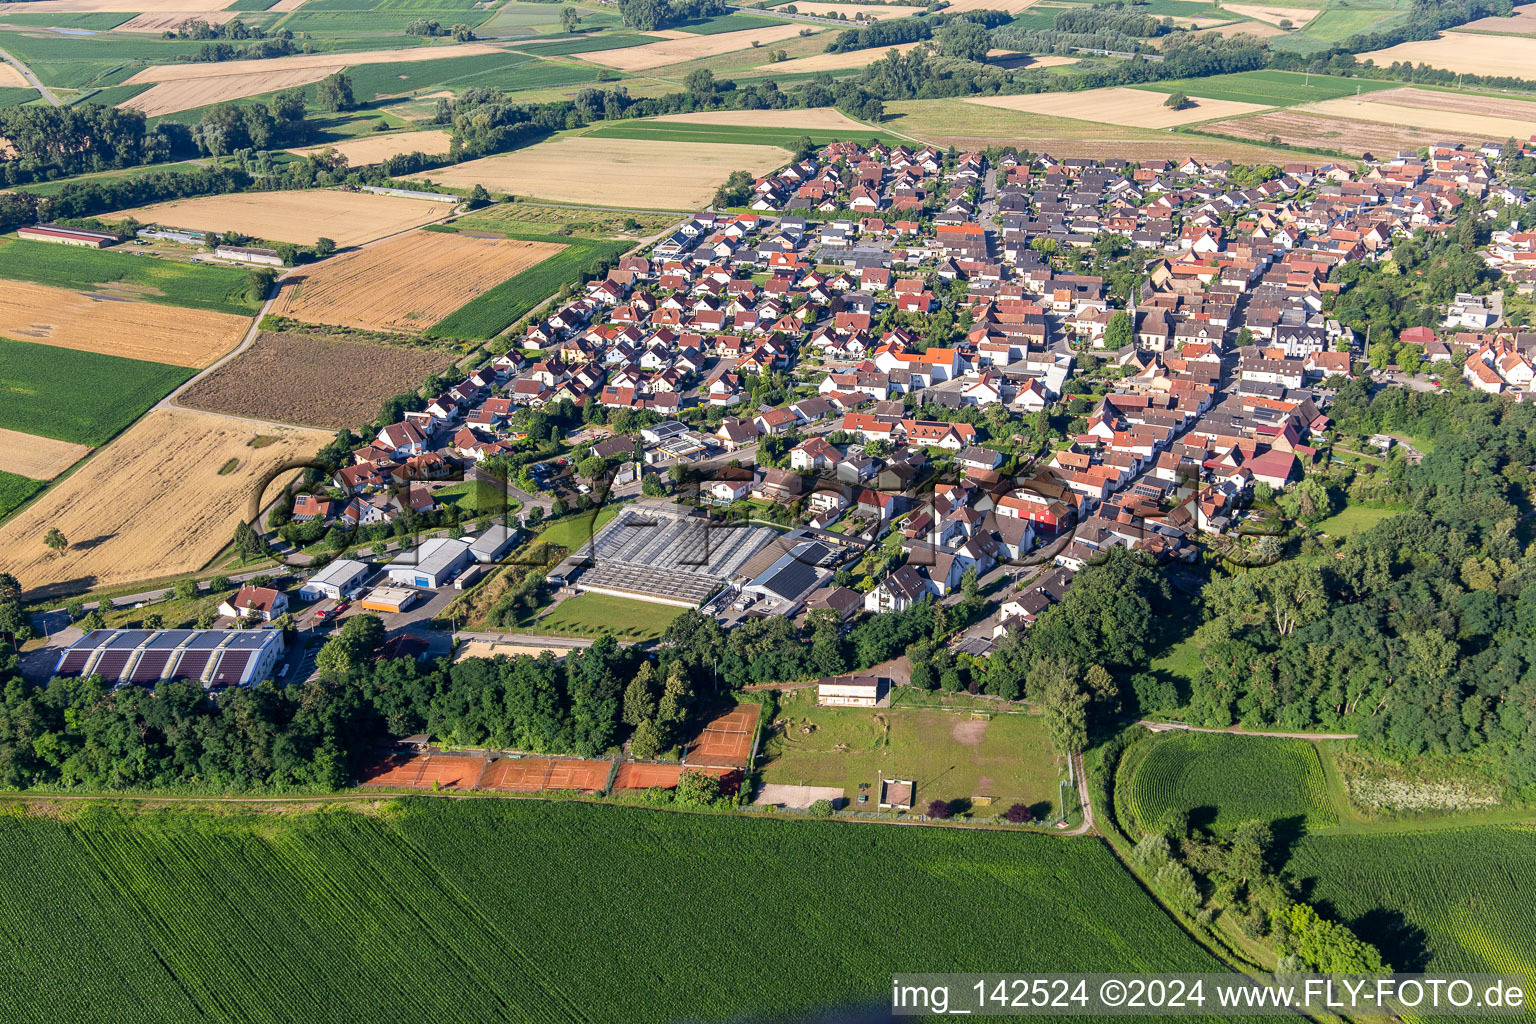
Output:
(1235, 731)
(1086, 825)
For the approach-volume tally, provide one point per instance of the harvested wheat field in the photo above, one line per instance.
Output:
(10, 78)
(1338, 133)
(40, 458)
(1522, 23)
(184, 86)
(827, 62)
(165, 21)
(1462, 52)
(116, 326)
(600, 172)
(375, 149)
(407, 283)
(1467, 103)
(675, 51)
(1011, 6)
(347, 218)
(1423, 111)
(313, 380)
(153, 503)
(1134, 108)
(1020, 60)
(117, 6)
(1297, 16)
(826, 118)
(170, 97)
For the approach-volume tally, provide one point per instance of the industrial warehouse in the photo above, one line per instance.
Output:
(216, 658)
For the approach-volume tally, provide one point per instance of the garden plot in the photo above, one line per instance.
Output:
(1135, 108)
(116, 326)
(666, 175)
(347, 218)
(154, 503)
(407, 283)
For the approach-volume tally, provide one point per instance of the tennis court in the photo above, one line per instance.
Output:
(534, 774)
(426, 772)
(664, 776)
(726, 741)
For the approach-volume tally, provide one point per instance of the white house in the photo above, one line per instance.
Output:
(264, 602)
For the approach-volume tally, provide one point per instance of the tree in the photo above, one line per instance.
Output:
(462, 33)
(258, 283)
(10, 588)
(940, 809)
(640, 697)
(592, 467)
(1120, 332)
(535, 516)
(700, 84)
(965, 39)
(821, 809)
(246, 541)
(56, 541)
(335, 92)
(1177, 101)
(1065, 708)
(645, 743)
(569, 19)
(1018, 814)
(324, 247)
(478, 197)
(699, 788)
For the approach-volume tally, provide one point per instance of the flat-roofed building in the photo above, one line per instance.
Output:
(215, 658)
(340, 579)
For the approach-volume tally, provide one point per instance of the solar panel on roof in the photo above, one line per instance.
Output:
(95, 638)
(191, 665)
(204, 641)
(128, 638)
(150, 665)
(74, 661)
(110, 664)
(230, 669)
(249, 641)
(168, 639)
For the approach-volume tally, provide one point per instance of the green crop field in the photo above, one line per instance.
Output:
(15, 97)
(80, 397)
(62, 19)
(73, 62)
(14, 490)
(725, 23)
(1441, 900)
(1222, 781)
(496, 310)
(373, 80)
(1271, 88)
(466, 911)
(724, 134)
(195, 286)
(588, 44)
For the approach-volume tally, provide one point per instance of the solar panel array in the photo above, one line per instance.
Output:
(144, 657)
(674, 557)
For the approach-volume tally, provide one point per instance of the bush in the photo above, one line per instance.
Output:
(821, 809)
(940, 809)
(1018, 814)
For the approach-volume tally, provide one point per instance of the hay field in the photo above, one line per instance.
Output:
(1467, 103)
(407, 283)
(1297, 16)
(823, 118)
(185, 86)
(163, 21)
(1462, 52)
(676, 51)
(828, 62)
(1424, 112)
(39, 458)
(1344, 134)
(374, 149)
(115, 326)
(1011, 6)
(1522, 23)
(599, 172)
(347, 218)
(312, 380)
(10, 78)
(152, 503)
(1134, 108)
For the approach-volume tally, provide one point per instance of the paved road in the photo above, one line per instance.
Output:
(36, 82)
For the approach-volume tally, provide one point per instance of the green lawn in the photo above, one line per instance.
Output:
(948, 754)
(80, 397)
(577, 529)
(14, 490)
(1271, 88)
(1221, 781)
(474, 497)
(1355, 519)
(481, 911)
(596, 614)
(672, 131)
(193, 285)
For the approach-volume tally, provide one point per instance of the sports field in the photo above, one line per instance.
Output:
(407, 283)
(725, 741)
(1137, 108)
(425, 772)
(670, 175)
(537, 774)
(1221, 781)
(154, 503)
(595, 614)
(462, 910)
(81, 398)
(374, 149)
(347, 218)
(949, 755)
(112, 325)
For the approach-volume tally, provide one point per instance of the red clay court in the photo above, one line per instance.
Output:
(422, 772)
(726, 741)
(633, 775)
(532, 774)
